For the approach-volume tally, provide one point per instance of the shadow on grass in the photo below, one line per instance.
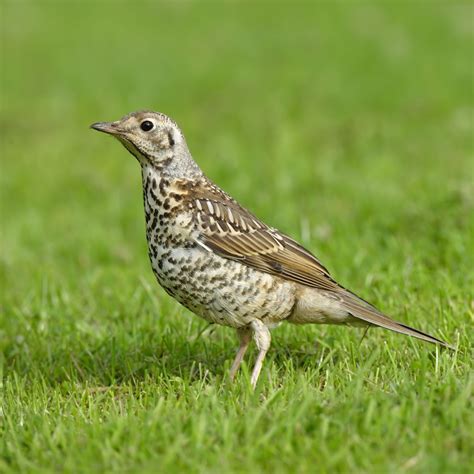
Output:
(109, 362)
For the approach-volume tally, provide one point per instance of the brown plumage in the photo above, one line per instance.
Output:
(234, 233)
(219, 260)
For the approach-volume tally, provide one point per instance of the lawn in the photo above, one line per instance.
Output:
(346, 125)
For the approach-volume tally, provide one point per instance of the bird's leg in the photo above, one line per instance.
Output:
(245, 335)
(262, 338)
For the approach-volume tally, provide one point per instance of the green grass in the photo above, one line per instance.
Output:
(348, 126)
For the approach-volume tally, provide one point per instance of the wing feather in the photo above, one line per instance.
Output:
(239, 235)
(232, 232)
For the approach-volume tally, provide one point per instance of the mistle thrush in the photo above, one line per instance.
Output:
(219, 260)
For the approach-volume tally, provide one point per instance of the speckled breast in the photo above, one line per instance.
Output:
(219, 290)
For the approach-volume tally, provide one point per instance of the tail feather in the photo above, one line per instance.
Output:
(366, 312)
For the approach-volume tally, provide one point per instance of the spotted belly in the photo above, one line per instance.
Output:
(222, 291)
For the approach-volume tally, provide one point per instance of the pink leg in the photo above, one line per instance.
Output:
(245, 335)
(261, 335)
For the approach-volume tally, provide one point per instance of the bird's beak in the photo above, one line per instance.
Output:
(107, 127)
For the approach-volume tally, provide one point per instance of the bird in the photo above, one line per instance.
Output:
(219, 260)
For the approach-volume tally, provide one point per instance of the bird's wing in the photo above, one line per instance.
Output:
(234, 233)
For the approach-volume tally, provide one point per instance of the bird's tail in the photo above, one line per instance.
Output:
(360, 309)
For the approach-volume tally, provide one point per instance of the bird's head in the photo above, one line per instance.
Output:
(153, 138)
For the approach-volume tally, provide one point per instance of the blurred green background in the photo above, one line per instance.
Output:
(348, 125)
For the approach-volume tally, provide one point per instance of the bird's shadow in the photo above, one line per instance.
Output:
(109, 362)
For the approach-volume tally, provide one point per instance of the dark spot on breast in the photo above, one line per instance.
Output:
(163, 184)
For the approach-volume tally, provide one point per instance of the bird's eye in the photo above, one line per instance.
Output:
(147, 125)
